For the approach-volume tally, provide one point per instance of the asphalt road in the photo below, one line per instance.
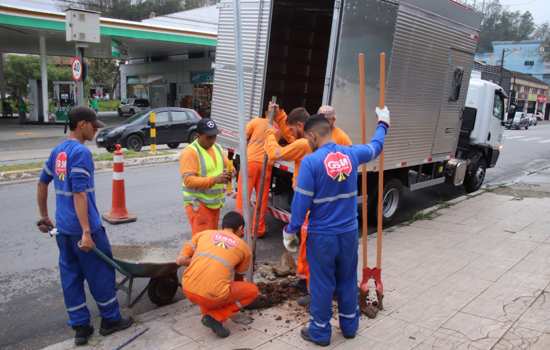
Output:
(31, 306)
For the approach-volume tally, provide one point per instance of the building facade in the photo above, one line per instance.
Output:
(520, 56)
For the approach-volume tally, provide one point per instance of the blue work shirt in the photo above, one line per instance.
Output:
(327, 186)
(71, 167)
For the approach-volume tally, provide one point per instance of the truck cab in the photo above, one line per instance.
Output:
(482, 129)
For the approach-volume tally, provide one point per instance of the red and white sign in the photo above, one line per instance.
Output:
(61, 166)
(338, 166)
(224, 241)
(76, 68)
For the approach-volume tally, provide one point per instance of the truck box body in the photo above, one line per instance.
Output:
(305, 53)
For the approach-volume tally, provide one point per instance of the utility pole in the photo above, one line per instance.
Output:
(502, 66)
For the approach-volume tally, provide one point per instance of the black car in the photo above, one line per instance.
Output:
(174, 126)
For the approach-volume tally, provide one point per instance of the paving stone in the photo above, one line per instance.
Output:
(293, 338)
(426, 315)
(362, 343)
(482, 332)
(396, 333)
(519, 338)
(537, 317)
(276, 345)
(444, 339)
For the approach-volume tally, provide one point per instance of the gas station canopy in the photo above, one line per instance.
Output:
(22, 27)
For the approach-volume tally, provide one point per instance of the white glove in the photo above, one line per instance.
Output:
(290, 241)
(383, 115)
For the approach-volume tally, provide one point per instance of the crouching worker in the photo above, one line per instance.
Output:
(217, 259)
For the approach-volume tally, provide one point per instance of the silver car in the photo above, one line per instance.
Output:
(132, 106)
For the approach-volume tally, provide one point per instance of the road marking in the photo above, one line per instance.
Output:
(545, 141)
(530, 139)
(514, 137)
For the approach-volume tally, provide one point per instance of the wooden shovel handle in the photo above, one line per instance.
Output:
(363, 116)
(381, 104)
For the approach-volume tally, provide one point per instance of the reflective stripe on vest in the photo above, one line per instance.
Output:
(213, 197)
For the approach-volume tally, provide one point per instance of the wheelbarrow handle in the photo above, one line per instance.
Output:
(109, 261)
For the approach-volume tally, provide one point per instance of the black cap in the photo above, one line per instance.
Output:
(81, 113)
(207, 126)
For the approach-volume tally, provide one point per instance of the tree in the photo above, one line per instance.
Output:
(19, 69)
(103, 71)
(543, 33)
(499, 24)
(138, 10)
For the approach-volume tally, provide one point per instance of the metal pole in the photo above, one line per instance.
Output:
(44, 77)
(80, 83)
(242, 134)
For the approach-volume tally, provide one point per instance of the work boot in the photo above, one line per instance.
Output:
(304, 301)
(110, 327)
(305, 336)
(82, 334)
(216, 326)
(349, 336)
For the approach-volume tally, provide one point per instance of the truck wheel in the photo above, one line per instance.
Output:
(474, 179)
(173, 145)
(161, 290)
(393, 195)
(134, 142)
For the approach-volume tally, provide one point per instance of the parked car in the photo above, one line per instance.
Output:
(133, 106)
(174, 126)
(519, 121)
(532, 119)
(540, 116)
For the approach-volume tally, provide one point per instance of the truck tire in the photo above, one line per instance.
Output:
(393, 196)
(475, 177)
(173, 145)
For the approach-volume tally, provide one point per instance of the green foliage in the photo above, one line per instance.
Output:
(103, 71)
(19, 69)
(543, 33)
(136, 11)
(500, 24)
(108, 105)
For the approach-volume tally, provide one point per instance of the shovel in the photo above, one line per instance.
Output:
(370, 298)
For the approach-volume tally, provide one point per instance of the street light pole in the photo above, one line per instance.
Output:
(502, 66)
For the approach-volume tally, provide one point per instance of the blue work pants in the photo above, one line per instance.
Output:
(75, 266)
(333, 267)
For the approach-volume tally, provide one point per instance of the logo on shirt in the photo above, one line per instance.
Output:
(338, 166)
(223, 241)
(61, 166)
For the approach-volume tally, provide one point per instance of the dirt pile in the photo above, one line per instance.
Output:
(275, 293)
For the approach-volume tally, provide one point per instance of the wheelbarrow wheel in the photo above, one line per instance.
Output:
(162, 290)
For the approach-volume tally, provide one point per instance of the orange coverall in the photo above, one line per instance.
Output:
(255, 134)
(208, 280)
(201, 218)
(296, 151)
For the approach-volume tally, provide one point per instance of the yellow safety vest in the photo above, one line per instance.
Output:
(213, 197)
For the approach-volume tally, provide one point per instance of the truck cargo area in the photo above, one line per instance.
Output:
(298, 50)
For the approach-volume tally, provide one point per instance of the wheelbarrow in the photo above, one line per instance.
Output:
(136, 262)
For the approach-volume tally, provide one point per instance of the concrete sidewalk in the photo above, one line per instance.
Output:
(474, 275)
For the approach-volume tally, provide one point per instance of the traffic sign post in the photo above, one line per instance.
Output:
(76, 68)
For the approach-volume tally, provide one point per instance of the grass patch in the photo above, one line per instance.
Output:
(129, 154)
(97, 157)
(108, 105)
(20, 167)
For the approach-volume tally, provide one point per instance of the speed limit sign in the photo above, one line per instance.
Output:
(76, 68)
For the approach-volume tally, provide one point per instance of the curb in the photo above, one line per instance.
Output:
(20, 176)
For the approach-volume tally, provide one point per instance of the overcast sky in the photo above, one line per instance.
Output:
(540, 9)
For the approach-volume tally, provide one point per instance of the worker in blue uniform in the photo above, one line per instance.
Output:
(327, 187)
(79, 228)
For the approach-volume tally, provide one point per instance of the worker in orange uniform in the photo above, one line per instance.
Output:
(213, 257)
(255, 136)
(203, 168)
(339, 136)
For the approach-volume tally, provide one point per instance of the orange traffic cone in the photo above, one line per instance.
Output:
(118, 214)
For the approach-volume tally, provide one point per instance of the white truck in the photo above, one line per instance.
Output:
(446, 126)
